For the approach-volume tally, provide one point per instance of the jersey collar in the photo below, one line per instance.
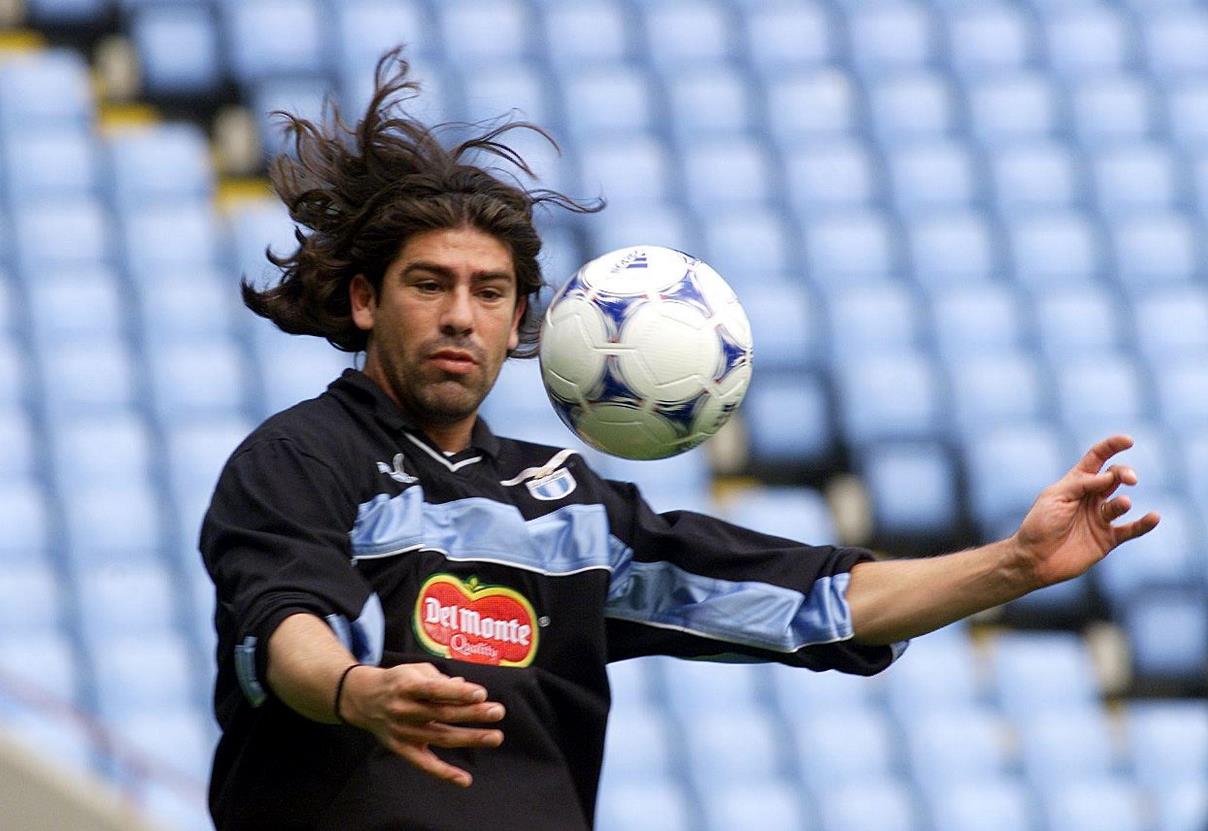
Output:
(360, 388)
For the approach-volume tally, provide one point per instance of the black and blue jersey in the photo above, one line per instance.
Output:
(510, 563)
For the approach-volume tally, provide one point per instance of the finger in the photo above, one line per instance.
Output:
(421, 712)
(426, 682)
(1114, 509)
(1105, 483)
(427, 761)
(1132, 530)
(1103, 450)
(445, 735)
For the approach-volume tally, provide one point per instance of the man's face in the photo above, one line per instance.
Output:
(442, 323)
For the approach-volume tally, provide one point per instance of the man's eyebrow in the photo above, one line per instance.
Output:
(443, 271)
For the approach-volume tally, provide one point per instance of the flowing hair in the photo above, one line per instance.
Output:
(356, 195)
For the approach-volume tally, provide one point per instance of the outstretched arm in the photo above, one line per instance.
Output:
(1067, 530)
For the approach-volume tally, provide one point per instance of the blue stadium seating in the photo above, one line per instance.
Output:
(1077, 321)
(1182, 806)
(50, 164)
(274, 38)
(732, 746)
(811, 105)
(664, 224)
(1033, 672)
(731, 173)
(178, 48)
(952, 248)
(890, 397)
(956, 745)
(709, 101)
(626, 171)
(751, 248)
(31, 599)
(1058, 246)
(26, 517)
(518, 89)
(1011, 108)
(69, 12)
(1088, 41)
(1173, 39)
(1108, 803)
(45, 90)
(1063, 745)
(1100, 388)
(197, 380)
(168, 162)
(116, 599)
(141, 674)
(1168, 631)
(969, 320)
(843, 248)
(796, 513)
(639, 744)
(194, 304)
(1032, 176)
(799, 693)
(873, 319)
(1183, 394)
(20, 442)
(301, 96)
(1167, 741)
(930, 176)
(989, 39)
(653, 804)
(1188, 123)
(782, 38)
(365, 29)
(912, 107)
(1172, 324)
(481, 31)
(45, 664)
(684, 33)
(170, 237)
(76, 306)
(828, 175)
(585, 33)
(941, 676)
(788, 420)
(888, 38)
(1135, 178)
(62, 234)
(843, 746)
(1112, 110)
(876, 805)
(996, 389)
(753, 806)
(997, 804)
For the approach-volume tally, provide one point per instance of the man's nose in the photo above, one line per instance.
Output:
(457, 317)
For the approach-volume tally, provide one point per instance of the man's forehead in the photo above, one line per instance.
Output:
(458, 251)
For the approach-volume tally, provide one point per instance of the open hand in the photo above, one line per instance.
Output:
(1069, 527)
(412, 708)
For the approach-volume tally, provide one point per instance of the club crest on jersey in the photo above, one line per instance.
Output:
(480, 624)
(397, 473)
(553, 486)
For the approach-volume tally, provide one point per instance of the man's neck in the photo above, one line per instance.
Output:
(452, 437)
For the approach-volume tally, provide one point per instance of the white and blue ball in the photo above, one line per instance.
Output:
(645, 352)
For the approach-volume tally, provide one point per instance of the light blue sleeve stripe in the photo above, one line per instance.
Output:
(570, 539)
(749, 613)
(366, 635)
(245, 671)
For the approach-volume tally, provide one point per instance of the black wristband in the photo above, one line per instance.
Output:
(340, 691)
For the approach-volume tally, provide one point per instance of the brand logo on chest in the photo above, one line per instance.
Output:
(467, 621)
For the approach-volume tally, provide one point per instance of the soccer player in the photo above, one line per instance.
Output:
(415, 614)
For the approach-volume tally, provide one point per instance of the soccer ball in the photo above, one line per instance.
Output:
(645, 352)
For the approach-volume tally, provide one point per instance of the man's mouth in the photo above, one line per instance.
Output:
(455, 361)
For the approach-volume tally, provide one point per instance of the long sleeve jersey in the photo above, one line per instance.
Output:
(511, 564)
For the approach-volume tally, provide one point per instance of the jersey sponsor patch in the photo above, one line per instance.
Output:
(480, 624)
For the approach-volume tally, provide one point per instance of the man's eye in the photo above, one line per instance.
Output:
(428, 287)
(491, 294)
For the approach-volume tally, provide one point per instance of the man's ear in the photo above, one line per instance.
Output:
(514, 338)
(364, 302)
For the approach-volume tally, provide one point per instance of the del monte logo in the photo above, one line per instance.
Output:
(469, 621)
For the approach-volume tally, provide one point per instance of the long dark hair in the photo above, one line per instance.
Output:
(362, 192)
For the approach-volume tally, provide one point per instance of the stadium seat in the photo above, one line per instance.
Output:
(989, 39)
(274, 39)
(90, 376)
(811, 105)
(79, 305)
(46, 89)
(1172, 323)
(1007, 109)
(608, 100)
(874, 318)
(142, 674)
(119, 523)
(626, 171)
(783, 38)
(1101, 388)
(1174, 39)
(61, 234)
(20, 443)
(199, 379)
(890, 397)
(294, 367)
(1088, 41)
(753, 806)
(180, 740)
(44, 664)
(518, 90)
(890, 38)
(1186, 114)
(639, 745)
(787, 418)
(1062, 745)
(31, 599)
(956, 745)
(197, 449)
(1173, 555)
(1108, 803)
(299, 95)
(1135, 179)
(116, 599)
(187, 305)
(997, 804)
(26, 518)
(1109, 110)
(1183, 393)
(877, 805)
(1007, 467)
(1033, 176)
(938, 675)
(912, 107)
(1077, 321)
(15, 381)
(663, 224)
(1182, 806)
(633, 683)
(178, 49)
(436, 103)
(844, 248)
(1167, 741)
(751, 248)
(973, 320)
(484, 31)
(363, 30)
(710, 101)
(1038, 671)
(721, 173)
(57, 741)
(793, 512)
(732, 746)
(683, 33)
(161, 162)
(829, 175)
(254, 226)
(1193, 460)
(1055, 247)
(170, 237)
(1168, 631)
(585, 33)
(842, 747)
(951, 248)
(995, 389)
(800, 692)
(931, 176)
(50, 164)
(654, 804)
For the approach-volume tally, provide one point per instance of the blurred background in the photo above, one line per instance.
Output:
(970, 239)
